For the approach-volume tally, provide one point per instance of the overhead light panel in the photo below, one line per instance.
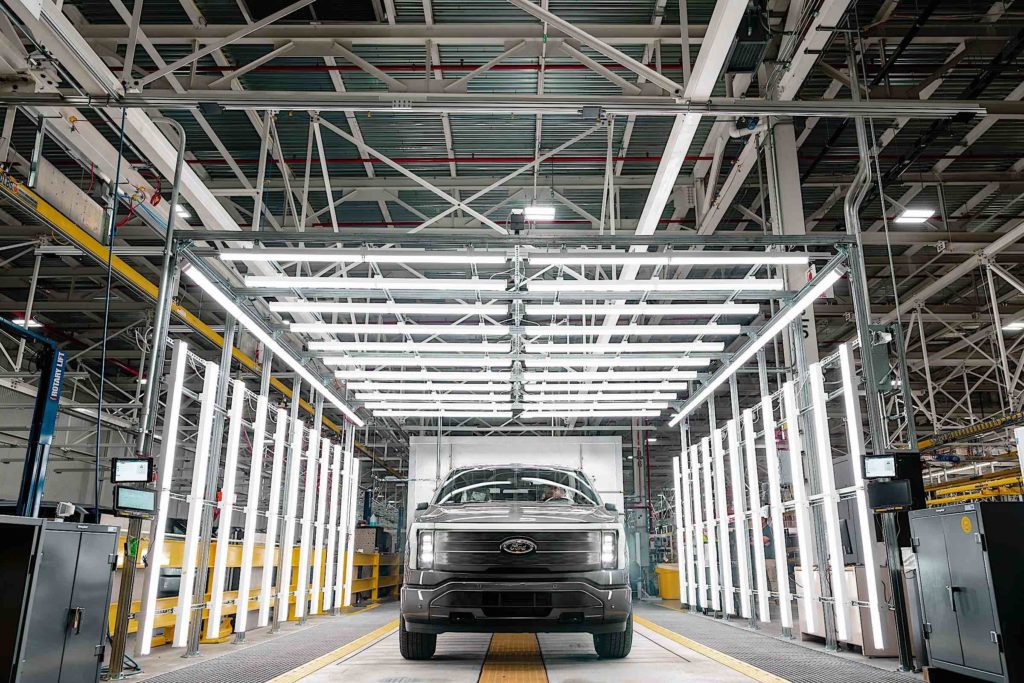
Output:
(539, 213)
(615, 362)
(914, 216)
(609, 375)
(693, 258)
(625, 347)
(653, 387)
(402, 328)
(690, 285)
(329, 255)
(711, 329)
(372, 283)
(642, 309)
(597, 397)
(431, 397)
(454, 412)
(430, 386)
(385, 308)
(439, 375)
(412, 347)
(534, 415)
(418, 361)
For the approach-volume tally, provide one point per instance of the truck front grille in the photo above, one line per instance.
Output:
(480, 551)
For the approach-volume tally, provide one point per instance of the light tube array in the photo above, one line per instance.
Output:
(667, 258)
(412, 347)
(402, 328)
(712, 329)
(775, 511)
(430, 386)
(794, 310)
(625, 347)
(803, 515)
(372, 283)
(695, 285)
(252, 503)
(651, 396)
(418, 361)
(709, 529)
(506, 403)
(643, 309)
(608, 386)
(608, 375)
(269, 341)
(383, 308)
(541, 414)
(273, 509)
(740, 515)
(333, 255)
(698, 514)
(615, 362)
(433, 396)
(760, 566)
(440, 405)
(320, 526)
(722, 510)
(478, 376)
(444, 413)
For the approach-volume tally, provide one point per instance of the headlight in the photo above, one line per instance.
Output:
(425, 550)
(609, 550)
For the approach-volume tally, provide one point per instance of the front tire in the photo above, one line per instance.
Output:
(415, 646)
(615, 645)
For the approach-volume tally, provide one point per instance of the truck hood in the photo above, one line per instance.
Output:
(515, 513)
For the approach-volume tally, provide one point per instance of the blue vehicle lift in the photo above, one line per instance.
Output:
(44, 417)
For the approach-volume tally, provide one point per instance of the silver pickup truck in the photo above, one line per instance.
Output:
(516, 548)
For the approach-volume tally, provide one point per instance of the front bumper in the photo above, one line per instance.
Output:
(516, 607)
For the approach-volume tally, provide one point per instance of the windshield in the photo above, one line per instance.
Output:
(516, 484)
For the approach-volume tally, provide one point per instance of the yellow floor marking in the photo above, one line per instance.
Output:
(748, 670)
(513, 658)
(320, 662)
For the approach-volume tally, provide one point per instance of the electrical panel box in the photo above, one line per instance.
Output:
(970, 574)
(55, 580)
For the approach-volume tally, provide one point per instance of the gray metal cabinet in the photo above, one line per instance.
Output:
(969, 575)
(55, 600)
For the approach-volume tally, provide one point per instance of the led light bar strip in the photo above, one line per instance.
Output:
(760, 564)
(272, 345)
(776, 511)
(607, 386)
(615, 362)
(226, 505)
(486, 387)
(440, 405)
(698, 528)
(683, 547)
(433, 396)
(386, 308)
(688, 555)
(333, 255)
(722, 504)
(273, 510)
(348, 447)
(625, 347)
(252, 503)
(482, 375)
(204, 430)
(372, 283)
(739, 513)
(697, 285)
(320, 526)
(803, 513)
(865, 521)
(709, 529)
(531, 414)
(444, 413)
(418, 361)
(506, 403)
(710, 329)
(647, 396)
(609, 375)
(694, 310)
(350, 526)
(284, 580)
(402, 328)
(412, 347)
(830, 501)
(165, 476)
(668, 258)
(825, 279)
(306, 523)
(332, 530)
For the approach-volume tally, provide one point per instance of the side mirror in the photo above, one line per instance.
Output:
(610, 507)
(422, 506)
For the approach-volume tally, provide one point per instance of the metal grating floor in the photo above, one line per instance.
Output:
(260, 663)
(793, 662)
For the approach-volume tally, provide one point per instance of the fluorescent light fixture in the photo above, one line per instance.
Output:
(332, 529)
(681, 544)
(350, 526)
(775, 508)
(319, 526)
(418, 361)
(334, 255)
(695, 310)
(914, 216)
(712, 329)
(722, 507)
(182, 212)
(436, 397)
(691, 285)
(667, 258)
(442, 375)
(608, 386)
(590, 404)
(615, 362)
(608, 375)
(444, 413)
(753, 487)
(709, 530)
(646, 396)
(402, 328)
(688, 553)
(387, 308)
(698, 525)
(739, 515)
(625, 347)
(412, 347)
(372, 283)
(652, 439)
(802, 506)
(440, 405)
(279, 351)
(794, 310)
(273, 515)
(539, 213)
(31, 323)
(1010, 327)
(541, 414)
(486, 387)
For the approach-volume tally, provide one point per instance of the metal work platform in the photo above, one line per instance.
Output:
(668, 646)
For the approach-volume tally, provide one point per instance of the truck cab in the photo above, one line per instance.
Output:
(516, 548)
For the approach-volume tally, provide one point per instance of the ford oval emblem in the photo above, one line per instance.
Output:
(518, 546)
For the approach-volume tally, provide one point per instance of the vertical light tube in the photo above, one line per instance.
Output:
(865, 521)
(346, 490)
(803, 518)
(252, 504)
(775, 510)
(722, 503)
(284, 582)
(227, 509)
(308, 499)
(709, 514)
(321, 515)
(830, 500)
(353, 500)
(332, 530)
(680, 533)
(165, 476)
(739, 513)
(204, 429)
(691, 575)
(698, 526)
(273, 512)
(760, 567)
